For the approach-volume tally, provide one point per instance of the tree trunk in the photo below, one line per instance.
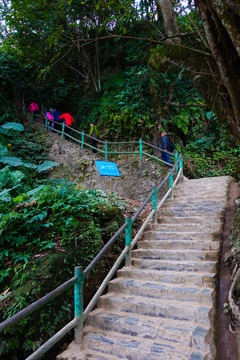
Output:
(169, 18)
(220, 25)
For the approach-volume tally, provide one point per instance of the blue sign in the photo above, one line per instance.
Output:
(107, 168)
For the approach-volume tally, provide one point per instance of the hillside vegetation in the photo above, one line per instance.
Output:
(132, 68)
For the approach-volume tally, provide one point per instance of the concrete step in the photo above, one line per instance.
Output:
(125, 347)
(181, 235)
(157, 308)
(170, 265)
(172, 277)
(76, 352)
(191, 212)
(142, 326)
(187, 227)
(206, 181)
(179, 244)
(180, 254)
(203, 220)
(210, 203)
(158, 290)
(192, 209)
(204, 193)
(205, 188)
(198, 198)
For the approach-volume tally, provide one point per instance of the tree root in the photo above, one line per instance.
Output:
(233, 306)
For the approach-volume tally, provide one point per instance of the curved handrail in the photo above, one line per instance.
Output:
(83, 136)
(78, 279)
(80, 275)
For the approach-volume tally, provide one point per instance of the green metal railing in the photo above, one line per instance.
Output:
(103, 146)
(80, 274)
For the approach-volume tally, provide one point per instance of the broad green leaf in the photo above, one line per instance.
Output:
(13, 126)
(47, 165)
(11, 161)
(34, 191)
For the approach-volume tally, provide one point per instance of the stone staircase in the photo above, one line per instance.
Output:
(162, 306)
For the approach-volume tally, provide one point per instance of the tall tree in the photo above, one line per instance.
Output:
(210, 54)
(221, 21)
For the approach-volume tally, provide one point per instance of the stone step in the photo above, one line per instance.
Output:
(161, 290)
(125, 347)
(157, 308)
(205, 195)
(195, 201)
(193, 208)
(76, 352)
(198, 198)
(175, 331)
(187, 227)
(209, 190)
(191, 212)
(204, 220)
(206, 181)
(179, 244)
(181, 254)
(170, 265)
(172, 277)
(182, 235)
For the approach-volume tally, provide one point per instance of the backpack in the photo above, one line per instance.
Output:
(170, 145)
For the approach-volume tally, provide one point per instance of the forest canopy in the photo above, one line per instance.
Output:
(134, 68)
(72, 48)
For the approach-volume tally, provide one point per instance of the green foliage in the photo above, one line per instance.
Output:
(210, 151)
(47, 232)
(13, 126)
(12, 86)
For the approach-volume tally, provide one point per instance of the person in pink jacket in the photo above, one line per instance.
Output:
(68, 120)
(48, 116)
(34, 108)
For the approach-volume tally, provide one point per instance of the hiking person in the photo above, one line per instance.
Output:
(166, 145)
(55, 113)
(94, 133)
(34, 108)
(67, 120)
(49, 118)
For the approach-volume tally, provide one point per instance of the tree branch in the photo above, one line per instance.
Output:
(185, 105)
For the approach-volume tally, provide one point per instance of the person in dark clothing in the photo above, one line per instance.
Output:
(55, 113)
(164, 146)
(94, 133)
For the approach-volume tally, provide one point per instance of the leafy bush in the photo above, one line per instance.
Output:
(44, 234)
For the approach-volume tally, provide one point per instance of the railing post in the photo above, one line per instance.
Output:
(181, 164)
(171, 183)
(24, 109)
(46, 121)
(176, 157)
(82, 141)
(140, 149)
(128, 240)
(78, 304)
(154, 204)
(63, 126)
(106, 149)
